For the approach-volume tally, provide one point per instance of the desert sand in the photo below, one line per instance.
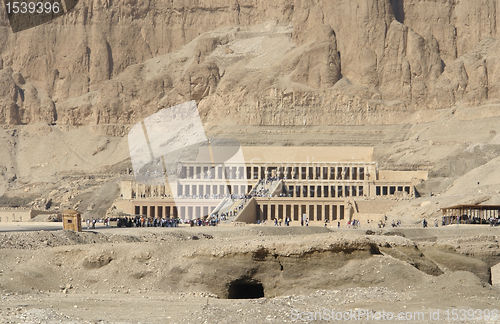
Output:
(187, 275)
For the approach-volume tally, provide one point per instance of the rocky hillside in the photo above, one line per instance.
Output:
(361, 61)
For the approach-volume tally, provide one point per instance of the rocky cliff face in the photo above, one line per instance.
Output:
(310, 62)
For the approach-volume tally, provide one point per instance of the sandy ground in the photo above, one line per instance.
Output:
(184, 275)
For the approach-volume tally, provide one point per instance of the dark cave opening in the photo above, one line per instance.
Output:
(245, 289)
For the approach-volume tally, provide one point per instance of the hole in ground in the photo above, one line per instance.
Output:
(245, 289)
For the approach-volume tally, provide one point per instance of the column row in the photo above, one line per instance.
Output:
(183, 212)
(392, 190)
(324, 191)
(299, 212)
(209, 172)
(203, 190)
(308, 172)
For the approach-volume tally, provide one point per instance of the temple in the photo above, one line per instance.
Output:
(317, 184)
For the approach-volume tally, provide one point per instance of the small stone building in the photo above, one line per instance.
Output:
(72, 220)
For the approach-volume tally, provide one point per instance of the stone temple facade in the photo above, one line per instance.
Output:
(318, 184)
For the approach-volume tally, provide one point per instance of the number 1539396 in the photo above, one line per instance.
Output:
(32, 7)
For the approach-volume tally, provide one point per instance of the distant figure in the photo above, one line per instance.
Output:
(88, 223)
(436, 222)
(338, 224)
(424, 223)
(307, 222)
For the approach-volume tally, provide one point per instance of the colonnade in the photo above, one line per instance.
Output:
(296, 212)
(389, 190)
(221, 188)
(324, 190)
(180, 211)
(146, 191)
(312, 171)
(209, 172)
(302, 171)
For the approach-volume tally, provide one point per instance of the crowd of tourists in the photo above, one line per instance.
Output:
(465, 219)
(141, 221)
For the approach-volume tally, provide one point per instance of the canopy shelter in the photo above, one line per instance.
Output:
(470, 214)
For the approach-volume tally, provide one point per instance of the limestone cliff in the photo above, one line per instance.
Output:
(309, 62)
